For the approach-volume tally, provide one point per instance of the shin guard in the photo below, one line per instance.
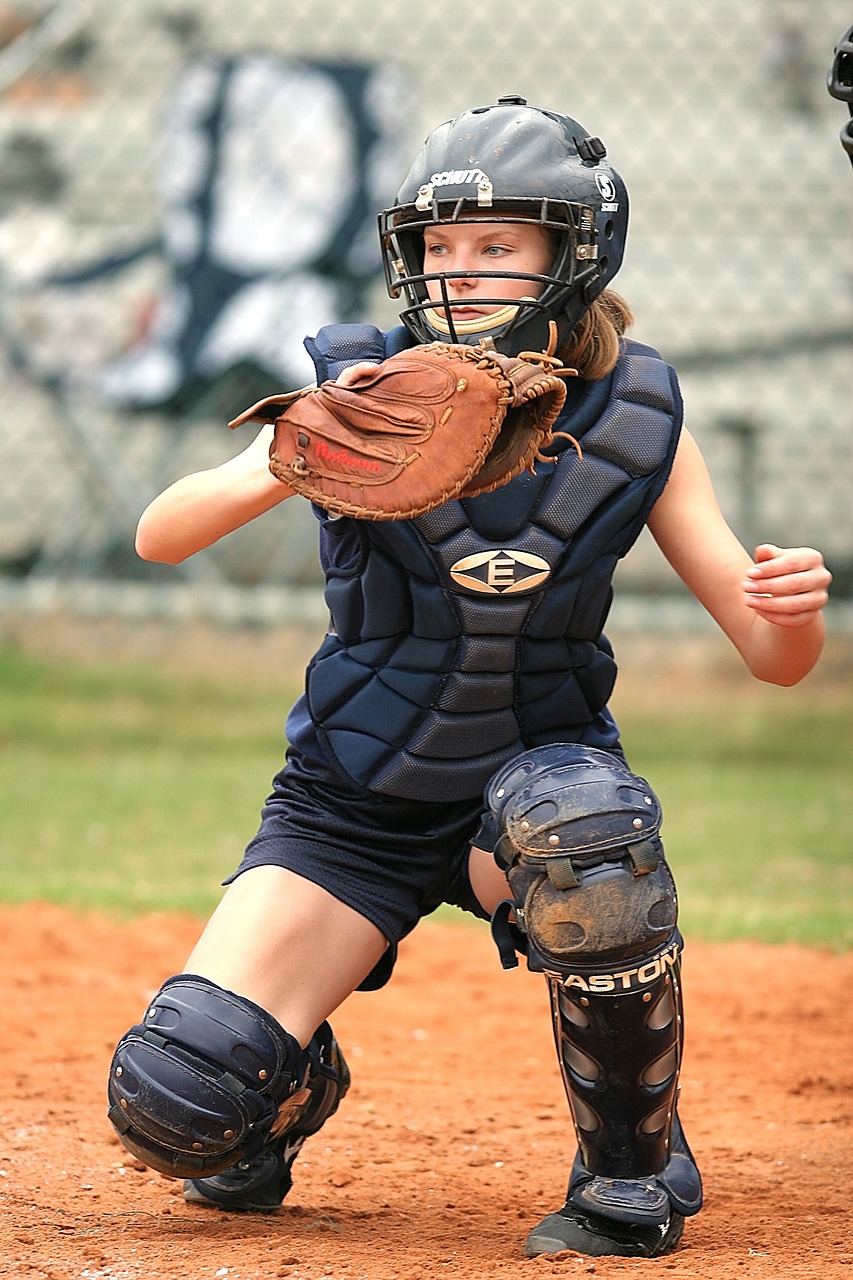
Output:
(620, 1057)
(209, 1078)
(595, 910)
(259, 1183)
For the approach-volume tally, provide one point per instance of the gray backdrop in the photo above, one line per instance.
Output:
(739, 263)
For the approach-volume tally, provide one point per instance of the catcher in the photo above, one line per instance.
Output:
(476, 475)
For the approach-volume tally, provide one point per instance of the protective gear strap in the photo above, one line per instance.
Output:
(507, 936)
(205, 1077)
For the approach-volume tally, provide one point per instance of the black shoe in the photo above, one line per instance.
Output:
(599, 1237)
(252, 1186)
(259, 1184)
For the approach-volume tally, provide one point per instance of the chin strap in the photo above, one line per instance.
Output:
(839, 82)
(437, 320)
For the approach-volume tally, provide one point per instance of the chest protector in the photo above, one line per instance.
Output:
(472, 633)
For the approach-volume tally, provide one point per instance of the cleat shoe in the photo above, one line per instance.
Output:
(259, 1184)
(252, 1186)
(599, 1237)
(623, 1217)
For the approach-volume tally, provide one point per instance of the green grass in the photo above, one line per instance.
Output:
(125, 789)
(757, 814)
(130, 790)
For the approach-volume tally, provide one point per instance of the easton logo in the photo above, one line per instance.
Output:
(500, 573)
(624, 979)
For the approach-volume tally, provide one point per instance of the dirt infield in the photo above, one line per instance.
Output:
(454, 1138)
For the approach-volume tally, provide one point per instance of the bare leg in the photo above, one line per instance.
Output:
(489, 883)
(288, 945)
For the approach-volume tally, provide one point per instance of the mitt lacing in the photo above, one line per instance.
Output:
(556, 367)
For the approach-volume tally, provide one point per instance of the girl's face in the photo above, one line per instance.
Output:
(485, 246)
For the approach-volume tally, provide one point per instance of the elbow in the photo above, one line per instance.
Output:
(149, 547)
(156, 557)
(788, 668)
(782, 680)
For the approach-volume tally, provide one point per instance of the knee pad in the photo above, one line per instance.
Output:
(580, 843)
(208, 1076)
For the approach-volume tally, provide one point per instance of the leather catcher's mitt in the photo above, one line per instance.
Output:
(437, 422)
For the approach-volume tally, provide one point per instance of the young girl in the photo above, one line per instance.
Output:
(436, 687)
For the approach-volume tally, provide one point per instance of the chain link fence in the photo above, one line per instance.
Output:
(188, 188)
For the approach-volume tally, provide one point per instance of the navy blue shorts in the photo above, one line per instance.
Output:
(393, 861)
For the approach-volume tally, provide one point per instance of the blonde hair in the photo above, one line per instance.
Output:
(594, 344)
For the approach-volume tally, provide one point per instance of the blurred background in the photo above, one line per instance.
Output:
(188, 188)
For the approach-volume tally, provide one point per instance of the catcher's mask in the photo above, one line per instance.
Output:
(508, 162)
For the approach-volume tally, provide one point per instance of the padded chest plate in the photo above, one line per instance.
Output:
(473, 632)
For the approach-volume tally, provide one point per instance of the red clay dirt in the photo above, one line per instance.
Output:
(454, 1138)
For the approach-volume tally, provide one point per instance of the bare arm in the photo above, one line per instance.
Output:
(201, 508)
(769, 606)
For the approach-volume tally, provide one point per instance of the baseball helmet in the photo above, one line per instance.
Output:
(508, 162)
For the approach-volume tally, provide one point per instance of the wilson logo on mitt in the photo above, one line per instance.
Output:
(347, 461)
(438, 422)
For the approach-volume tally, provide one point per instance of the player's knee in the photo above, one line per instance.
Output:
(200, 1082)
(580, 843)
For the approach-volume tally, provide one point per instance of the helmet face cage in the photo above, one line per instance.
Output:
(569, 226)
(507, 163)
